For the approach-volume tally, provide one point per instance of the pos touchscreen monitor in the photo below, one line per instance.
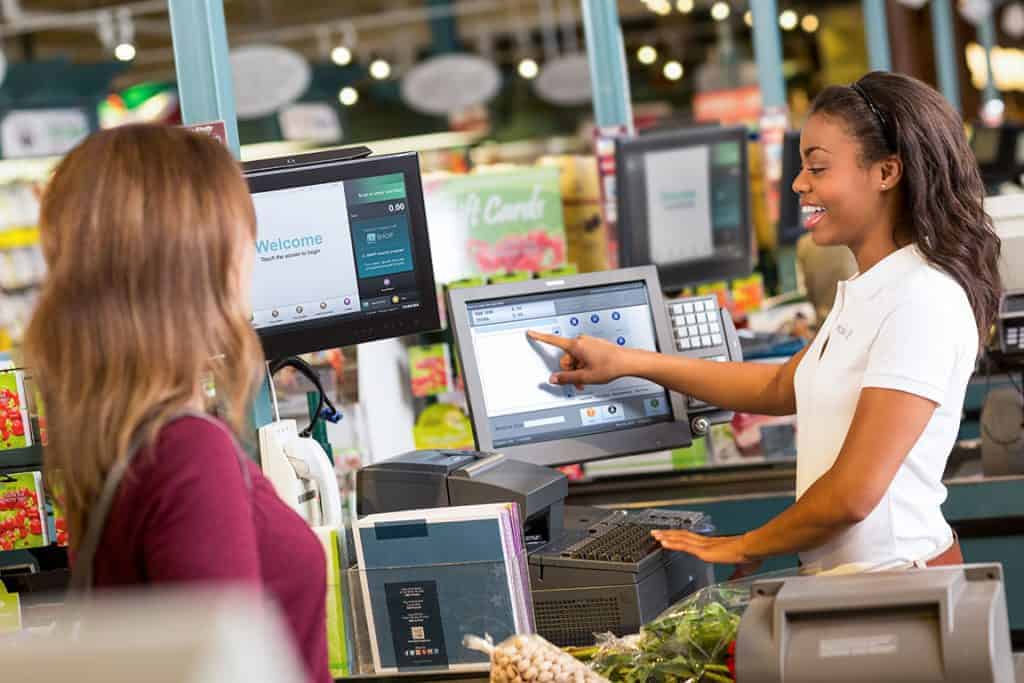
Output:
(342, 254)
(516, 411)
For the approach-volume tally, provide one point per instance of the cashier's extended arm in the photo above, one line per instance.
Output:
(758, 388)
(886, 425)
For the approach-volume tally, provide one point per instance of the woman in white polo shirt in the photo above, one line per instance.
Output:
(878, 395)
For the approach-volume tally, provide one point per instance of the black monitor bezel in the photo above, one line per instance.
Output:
(634, 242)
(674, 433)
(309, 336)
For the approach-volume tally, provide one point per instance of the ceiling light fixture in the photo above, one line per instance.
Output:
(341, 55)
(125, 52)
(348, 96)
(673, 70)
(528, 68)
(380, 69)
(647, 55)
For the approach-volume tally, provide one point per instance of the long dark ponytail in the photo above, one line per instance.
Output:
(941, 188)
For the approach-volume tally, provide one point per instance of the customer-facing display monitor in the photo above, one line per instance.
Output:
(515, 409)
(683, 204)
(342, 254)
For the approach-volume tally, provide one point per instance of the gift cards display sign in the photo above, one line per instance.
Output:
(495, 222)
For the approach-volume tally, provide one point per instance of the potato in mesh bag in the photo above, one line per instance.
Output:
(531, 659)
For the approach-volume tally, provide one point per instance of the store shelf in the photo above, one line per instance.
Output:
(21, 459)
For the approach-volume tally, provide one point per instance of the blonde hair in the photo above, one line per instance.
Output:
(143, 229)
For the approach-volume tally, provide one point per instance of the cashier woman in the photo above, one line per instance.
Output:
(878, 394)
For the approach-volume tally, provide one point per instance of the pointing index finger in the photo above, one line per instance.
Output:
(552, 339)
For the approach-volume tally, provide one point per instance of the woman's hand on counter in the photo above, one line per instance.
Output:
(714, 549)
(587, 360)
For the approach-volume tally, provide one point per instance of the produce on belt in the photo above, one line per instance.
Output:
(692, 642)
(531, 659)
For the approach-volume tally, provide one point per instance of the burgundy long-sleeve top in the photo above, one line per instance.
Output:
(185, 514)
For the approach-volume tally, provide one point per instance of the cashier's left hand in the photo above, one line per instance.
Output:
(714, 549)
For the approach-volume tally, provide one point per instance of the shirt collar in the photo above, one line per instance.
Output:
(885, 273)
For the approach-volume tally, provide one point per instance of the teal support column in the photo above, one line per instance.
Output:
(607, 57)
(945, 51)
(201, 60)
(987, 38)
(443, 28)
(768, 52)
(206, 90)
(876, 31)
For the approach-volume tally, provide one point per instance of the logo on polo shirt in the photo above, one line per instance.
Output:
(844, 331)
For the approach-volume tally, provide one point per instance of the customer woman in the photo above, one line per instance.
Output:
(878, 394)
(149, 236)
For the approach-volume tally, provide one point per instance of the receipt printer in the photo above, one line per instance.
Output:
(937, 624)
(431, 479)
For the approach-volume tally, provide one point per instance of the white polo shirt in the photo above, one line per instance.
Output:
(903, 325)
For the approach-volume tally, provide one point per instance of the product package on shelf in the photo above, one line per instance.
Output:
(443, 426)
(340, 649)
(430, 371)
(10, 611)
(22, 515)
(496, 222)
(586, 233)
(15, 428)
(431, 577)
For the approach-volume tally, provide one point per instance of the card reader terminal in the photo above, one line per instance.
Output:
(702, 329)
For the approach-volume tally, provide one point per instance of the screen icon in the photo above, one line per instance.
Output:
(574, 322)
(595, 318)
(621, 341)
(616, 316)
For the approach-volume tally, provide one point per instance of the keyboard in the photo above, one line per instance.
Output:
(620, 543)
(626, 536)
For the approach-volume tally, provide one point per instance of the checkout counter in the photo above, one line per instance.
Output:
(942, 624)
